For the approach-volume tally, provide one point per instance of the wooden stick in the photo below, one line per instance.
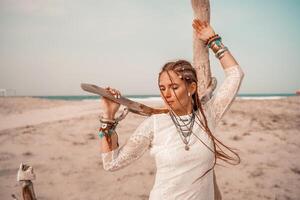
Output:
(206, 84)
(132, 106)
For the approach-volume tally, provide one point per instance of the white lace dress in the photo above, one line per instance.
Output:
(177, 169)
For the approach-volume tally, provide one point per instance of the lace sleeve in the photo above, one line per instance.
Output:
(133, 149)
(227, 92)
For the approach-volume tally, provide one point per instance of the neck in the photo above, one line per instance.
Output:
(187, 111)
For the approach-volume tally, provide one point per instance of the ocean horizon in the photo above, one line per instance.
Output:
(157, 97)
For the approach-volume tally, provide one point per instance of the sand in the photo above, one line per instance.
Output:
(58, 138)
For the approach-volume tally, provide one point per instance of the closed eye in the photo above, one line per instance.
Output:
(174, 86)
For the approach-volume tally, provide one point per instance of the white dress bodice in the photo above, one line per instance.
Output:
(177, 168)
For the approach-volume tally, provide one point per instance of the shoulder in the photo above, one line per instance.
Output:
(209, 113)
(161, 115)
(146, 124)
(160, 118)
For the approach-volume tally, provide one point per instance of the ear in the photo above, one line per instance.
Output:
(193, 87)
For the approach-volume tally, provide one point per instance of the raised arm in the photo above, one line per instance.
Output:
(221, 101)
(133, 149)
(113, 156)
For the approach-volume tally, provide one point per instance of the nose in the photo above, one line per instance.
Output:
(168, 93)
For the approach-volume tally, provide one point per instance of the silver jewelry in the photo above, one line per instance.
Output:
(184, 130)
(113, 123)
(222, 55)
(220, 52)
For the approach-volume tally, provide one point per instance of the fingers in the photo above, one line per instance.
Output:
(114, 92)
(198, 25)
(202, 29)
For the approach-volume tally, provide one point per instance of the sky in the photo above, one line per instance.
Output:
(49, 47)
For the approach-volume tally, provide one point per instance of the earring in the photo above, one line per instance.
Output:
(189, 94)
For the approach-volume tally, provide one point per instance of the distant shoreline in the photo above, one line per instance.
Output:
(157, 97)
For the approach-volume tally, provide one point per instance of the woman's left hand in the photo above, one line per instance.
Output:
(203, 30)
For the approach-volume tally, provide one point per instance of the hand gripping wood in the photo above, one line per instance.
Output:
(132, 106)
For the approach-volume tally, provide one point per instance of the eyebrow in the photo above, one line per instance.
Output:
(169, 84)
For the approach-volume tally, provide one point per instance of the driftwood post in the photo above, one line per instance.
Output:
(206, 83)
(25, 176)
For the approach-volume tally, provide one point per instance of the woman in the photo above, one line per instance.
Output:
(181, 141)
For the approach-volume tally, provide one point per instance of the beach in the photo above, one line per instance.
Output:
(59, 139)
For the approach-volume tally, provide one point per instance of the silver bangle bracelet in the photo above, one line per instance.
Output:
(222, 55)
(101, 119)
(220, 52)
(116, 120)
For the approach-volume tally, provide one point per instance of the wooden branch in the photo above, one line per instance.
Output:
(132, 106)
(206, 85)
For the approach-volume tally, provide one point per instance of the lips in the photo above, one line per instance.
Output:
(169, 102)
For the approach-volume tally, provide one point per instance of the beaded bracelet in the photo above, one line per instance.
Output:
(211, 38)
(107, 131)
(108, 127)
(206, 42)
(216, 41)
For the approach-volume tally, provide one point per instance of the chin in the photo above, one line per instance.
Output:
(169, 107)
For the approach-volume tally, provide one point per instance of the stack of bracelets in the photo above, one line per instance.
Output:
(215, 43)
(108, 126)
(106, 129)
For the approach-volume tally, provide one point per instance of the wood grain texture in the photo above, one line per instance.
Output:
(201, 62)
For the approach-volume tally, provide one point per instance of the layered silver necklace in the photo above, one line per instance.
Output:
(185, 128)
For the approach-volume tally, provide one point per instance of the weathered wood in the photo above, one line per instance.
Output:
(206, 84)
(25, 177)
(132, 106)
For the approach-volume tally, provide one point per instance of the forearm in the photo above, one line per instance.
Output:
(233, 78)
(226, 93)
(113, 156)
(106, 140)
(104, 145)
(220, 101)
(133, 148)
(227, 60)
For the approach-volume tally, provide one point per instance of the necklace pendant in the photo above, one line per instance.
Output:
(187, 147)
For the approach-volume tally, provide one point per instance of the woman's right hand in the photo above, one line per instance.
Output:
(203, 29)
(110, 107)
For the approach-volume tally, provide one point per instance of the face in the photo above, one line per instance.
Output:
(182, 105)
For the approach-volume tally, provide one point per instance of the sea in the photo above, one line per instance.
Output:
(158, 98)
